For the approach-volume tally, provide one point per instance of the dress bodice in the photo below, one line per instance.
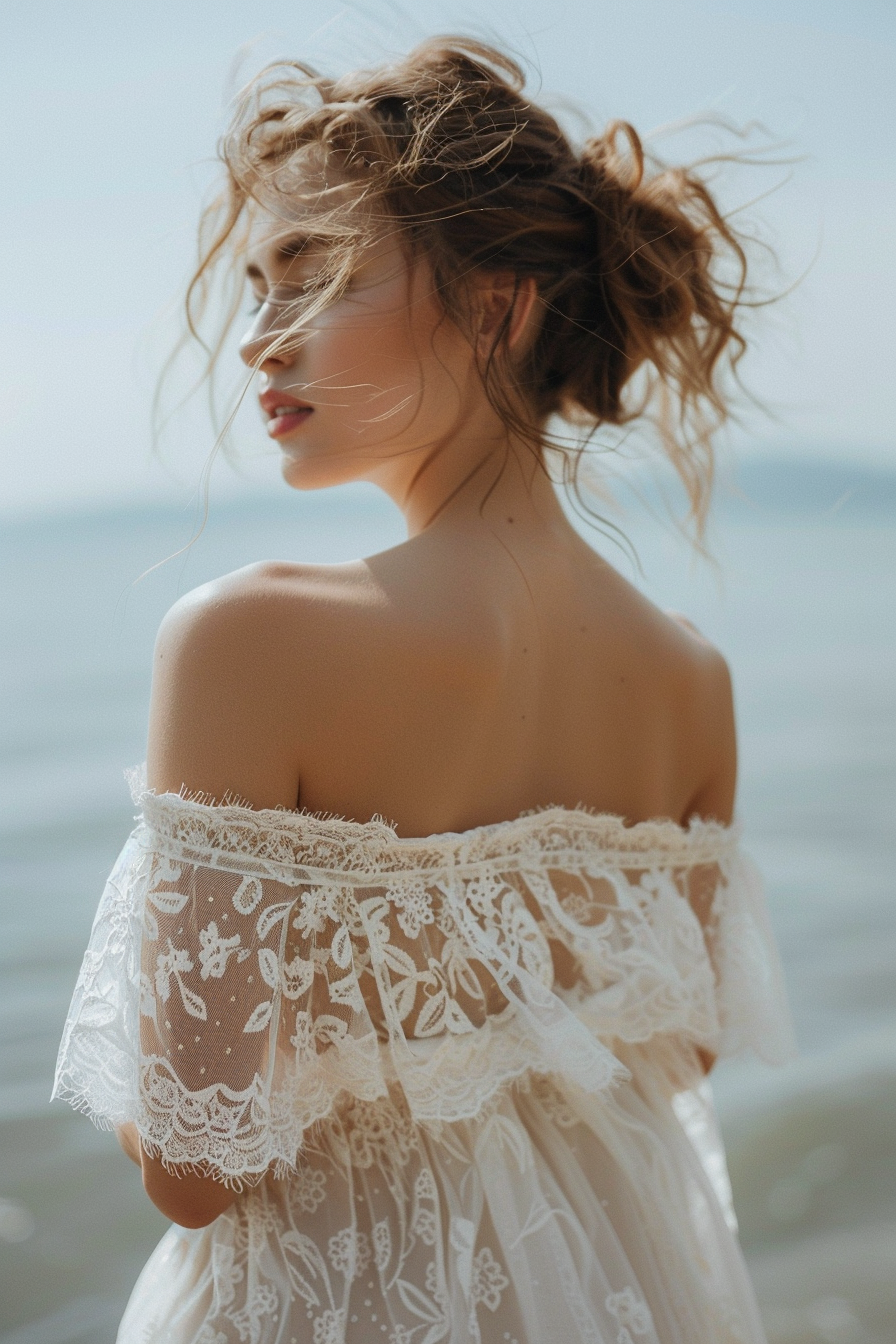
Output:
(248, 970)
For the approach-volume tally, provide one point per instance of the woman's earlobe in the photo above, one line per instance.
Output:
(507, 302)
(495, 304)
(524, 313)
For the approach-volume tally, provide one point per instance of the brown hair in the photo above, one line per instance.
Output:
(636, 268)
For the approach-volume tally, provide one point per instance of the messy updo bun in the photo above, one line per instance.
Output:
(640, 277)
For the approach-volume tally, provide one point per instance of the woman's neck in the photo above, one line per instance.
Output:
(496, 480)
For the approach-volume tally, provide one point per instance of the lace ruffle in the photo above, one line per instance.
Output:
(249, 972)
(557, 835)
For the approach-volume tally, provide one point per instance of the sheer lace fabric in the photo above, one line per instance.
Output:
(455, 1080)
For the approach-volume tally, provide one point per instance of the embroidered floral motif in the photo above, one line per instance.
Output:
(214, 951)
(329, 1328)
(209, 1335)
(382, 1243)
(435, 1286)
(308, 1188)
(310, 1033)
(425, 1185)
(248, 1322)
(378, 1134)
(260, 1017)
(147, 998)
(489, 1281)
(630, 1310)
(247, 895)
(349, 1252)
(554, 1102)
(414, 904)
(313, 915)
(297, 976)
(578, 906)
(425, 1226)
(483, 894)
(175, 962)
(339, 964)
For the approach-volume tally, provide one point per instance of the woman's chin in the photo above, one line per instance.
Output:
(309, 472)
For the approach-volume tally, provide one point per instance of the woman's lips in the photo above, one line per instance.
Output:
(288, 421)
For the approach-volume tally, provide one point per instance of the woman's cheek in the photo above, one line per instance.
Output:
(352, 347)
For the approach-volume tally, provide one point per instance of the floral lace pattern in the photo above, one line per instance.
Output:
(382, 1042)
(245, 975)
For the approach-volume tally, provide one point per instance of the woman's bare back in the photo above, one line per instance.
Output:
(453, 681)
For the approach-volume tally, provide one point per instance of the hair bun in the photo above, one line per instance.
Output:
(601, 157)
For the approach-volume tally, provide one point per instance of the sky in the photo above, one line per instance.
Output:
(111, 113)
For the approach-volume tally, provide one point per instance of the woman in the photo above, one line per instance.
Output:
(440, 1078)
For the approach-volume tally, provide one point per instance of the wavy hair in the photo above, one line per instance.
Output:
(641, 278)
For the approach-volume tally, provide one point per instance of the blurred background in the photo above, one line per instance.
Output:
(110, 117)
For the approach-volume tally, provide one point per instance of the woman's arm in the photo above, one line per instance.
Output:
(216, 728)
(710, 733)
(129, 1141)
(714, 734)
(185, 1198)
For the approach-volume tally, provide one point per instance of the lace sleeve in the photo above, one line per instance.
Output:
(228, 1001)
(207, 1008)
(250, 972)
(751, 996)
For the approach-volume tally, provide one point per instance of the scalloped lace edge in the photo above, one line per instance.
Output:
(277, 1163)
(237, 828)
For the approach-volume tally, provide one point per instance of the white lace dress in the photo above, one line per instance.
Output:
(454, 1079)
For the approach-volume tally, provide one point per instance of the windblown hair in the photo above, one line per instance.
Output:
(637, 270)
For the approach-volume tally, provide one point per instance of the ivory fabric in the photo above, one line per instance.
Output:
(455, 1080)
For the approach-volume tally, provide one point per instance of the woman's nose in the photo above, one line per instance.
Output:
(259, 348)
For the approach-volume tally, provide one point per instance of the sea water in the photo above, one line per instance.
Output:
(802, 603)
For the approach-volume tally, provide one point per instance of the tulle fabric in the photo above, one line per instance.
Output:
(555, 1216)
(457, 1081)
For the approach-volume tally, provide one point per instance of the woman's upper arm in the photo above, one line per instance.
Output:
(221, 719)
(712, 731)
(219, 725)
(187, 1199)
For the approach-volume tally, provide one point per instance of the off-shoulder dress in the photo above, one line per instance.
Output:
(457, 1081)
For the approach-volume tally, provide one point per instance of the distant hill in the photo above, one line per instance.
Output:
(758, 488)
(819, 489)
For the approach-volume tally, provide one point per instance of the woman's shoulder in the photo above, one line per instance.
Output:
(685, 691)
(686, 671)
(277, 664)
(248, 596)
(704, 714)
(235, 667)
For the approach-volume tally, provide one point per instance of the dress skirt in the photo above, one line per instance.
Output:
(554, 1217)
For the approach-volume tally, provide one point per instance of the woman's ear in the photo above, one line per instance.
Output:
(505, 297)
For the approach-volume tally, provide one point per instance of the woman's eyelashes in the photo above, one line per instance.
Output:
(269, 301)
(282, 296)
